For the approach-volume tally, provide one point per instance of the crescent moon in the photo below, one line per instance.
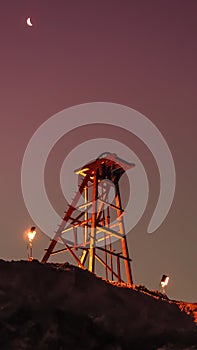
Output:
(29, 23)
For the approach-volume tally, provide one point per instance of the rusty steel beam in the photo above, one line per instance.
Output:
(107, 266)
(93, 226)
(125, 251)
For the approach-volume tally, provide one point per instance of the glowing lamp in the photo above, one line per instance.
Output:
(164, 282)
(31, 234)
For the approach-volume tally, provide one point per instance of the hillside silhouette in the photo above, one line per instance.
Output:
(60, 307)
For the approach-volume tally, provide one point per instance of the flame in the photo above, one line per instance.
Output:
(31, 235)
(165, 282)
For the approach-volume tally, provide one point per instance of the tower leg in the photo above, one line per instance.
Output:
(125, 251)
(65, 219)
(49, 251)
(93, 225)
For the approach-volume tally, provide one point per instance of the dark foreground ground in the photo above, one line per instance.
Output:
(48, 307)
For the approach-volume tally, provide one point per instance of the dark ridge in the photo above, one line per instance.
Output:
(60, 307)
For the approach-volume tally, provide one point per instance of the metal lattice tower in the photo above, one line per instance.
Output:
(92, 222)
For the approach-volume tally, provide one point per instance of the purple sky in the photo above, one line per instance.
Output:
(141, 54)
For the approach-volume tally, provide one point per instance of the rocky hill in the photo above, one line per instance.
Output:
(62, 307)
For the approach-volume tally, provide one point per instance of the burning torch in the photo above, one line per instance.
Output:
(30, 236)
(164, 282)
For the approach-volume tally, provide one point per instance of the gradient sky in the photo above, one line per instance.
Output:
(141, 54)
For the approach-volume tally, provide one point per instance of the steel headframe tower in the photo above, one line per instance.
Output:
(92, 223)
